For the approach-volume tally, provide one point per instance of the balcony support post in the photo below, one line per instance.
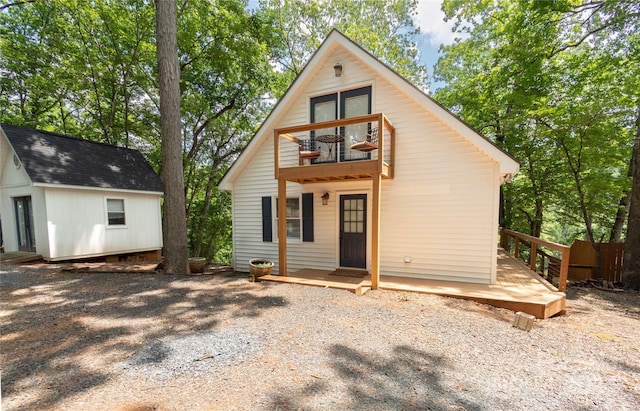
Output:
(282, 227)
(375, 235)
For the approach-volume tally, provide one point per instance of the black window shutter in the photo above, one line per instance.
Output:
(267, 227)
(307, 217)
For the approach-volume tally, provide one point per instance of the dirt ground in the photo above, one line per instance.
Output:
(74, 338)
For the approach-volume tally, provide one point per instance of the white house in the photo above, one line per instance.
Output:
(66, 198)
(376, 176)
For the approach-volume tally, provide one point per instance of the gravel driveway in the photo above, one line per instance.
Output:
(144, 341)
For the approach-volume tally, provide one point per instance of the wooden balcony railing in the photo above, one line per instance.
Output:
(296, 159)
(548, 260)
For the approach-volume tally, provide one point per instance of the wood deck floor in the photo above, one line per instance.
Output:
(517, 288)
(16, 257)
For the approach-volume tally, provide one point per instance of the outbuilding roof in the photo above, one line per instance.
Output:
(50, 158)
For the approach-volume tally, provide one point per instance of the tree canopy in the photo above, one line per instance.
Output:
(555, 84)
(88, 69)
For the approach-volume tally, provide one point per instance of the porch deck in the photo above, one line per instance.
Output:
(517, 287)
(16, 257)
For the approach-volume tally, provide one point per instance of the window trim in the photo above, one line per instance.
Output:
(274, 206)
(108, 224)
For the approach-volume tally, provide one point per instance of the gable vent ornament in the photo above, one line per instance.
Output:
(16, 161)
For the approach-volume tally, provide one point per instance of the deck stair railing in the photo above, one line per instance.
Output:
(556, 266)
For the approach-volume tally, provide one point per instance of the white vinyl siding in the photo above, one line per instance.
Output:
(440, 209)
(72, 222)
(77, 225)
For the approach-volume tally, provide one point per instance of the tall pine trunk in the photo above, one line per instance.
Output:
(174, 223)
(631, 269)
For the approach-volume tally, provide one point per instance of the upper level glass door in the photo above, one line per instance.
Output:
(354, 103)
(324, 108)
(346, 104)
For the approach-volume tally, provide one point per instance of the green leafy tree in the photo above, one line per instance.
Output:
(28, 37)
(102, 56)
(383, 27)
(549, 82)
(89, 69)
(495, 78)
(631, 269)
(226, 91)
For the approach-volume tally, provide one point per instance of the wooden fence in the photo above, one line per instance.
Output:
(583, 262)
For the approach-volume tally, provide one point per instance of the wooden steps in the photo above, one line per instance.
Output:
(322, 278)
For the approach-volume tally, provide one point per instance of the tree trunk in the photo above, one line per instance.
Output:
(623, 206)
(203, 215)
(618, 223)
(174, 217)
(631, 269)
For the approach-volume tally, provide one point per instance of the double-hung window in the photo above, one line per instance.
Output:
(115, 212)
(294, 215)
(299, 215)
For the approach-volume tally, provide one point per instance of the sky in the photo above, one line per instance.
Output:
(434, 31)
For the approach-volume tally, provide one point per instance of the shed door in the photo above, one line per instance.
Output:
(24, 220)
(353, 231)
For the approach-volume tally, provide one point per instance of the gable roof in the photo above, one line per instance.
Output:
(508, 165)
(50, 158)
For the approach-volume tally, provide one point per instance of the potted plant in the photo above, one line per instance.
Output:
(259, 267)
(197, 264)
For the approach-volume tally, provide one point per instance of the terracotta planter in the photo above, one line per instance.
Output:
(259, 267)
(197, 264)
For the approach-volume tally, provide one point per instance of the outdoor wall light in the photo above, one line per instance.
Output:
(338, 69)
(325, 199)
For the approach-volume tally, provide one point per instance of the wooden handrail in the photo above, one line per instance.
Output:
(384, 124)
(535, 242)
(330, 124)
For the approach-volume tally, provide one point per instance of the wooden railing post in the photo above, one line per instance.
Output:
(516, 251)
(564, 270)
(534, 255)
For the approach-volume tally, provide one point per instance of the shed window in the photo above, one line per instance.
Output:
(115, 211)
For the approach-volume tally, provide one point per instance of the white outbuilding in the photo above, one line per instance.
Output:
(66, 198)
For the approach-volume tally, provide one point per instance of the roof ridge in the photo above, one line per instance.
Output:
(54, 134)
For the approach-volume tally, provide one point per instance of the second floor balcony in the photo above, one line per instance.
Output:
(355, 148)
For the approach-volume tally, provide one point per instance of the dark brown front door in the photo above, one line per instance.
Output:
(353, 230)
(24, 220)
